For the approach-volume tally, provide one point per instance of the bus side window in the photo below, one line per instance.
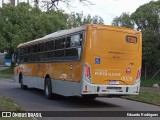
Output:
(59, 44)
(81, 38)
(59, 49)
(48, 56)
(26, 54)
(33, 55)
(71, 54)
(75, 40)
(68, 42)
(29, 49)
(73, 47)
(40, 49)
(49, 46)
(21, 59)
(58, 55)
(17, 55)
(33, 48)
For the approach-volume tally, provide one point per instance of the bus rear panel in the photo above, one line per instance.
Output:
(112, 61)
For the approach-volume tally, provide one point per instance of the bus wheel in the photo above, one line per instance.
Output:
(89, 97)
(23, 87)
(48, 88)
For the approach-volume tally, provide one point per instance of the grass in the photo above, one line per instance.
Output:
(149, 83)
(7, 73)
(146, 97)
(7, 104)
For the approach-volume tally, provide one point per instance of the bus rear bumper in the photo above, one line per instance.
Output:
(109, 90)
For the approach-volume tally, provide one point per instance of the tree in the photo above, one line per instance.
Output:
(147, 15)
(78, 19)
(147, 20)
(123, 20)
(23, 23)
(55, 3)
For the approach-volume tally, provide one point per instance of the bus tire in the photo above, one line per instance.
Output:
(23, 87)
(89, 97)
(48, 88)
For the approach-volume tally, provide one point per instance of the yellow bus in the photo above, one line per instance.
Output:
(88, 61)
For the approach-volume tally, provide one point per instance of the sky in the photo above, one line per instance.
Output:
(107, 9)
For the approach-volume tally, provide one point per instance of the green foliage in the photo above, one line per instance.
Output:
(147, 97)
(147, 20)
(123, 21)
(78, 19)
(7, 73)
(7, 103)
(146, 16)
(149, 83)
(24, 23)
(8, 70)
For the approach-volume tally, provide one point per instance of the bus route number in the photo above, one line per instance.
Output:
(126, 78)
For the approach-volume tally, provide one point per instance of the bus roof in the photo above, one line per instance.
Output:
(54, 35)
(68, 31)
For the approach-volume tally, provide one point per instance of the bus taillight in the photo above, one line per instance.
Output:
(138, 74)
(87, 72)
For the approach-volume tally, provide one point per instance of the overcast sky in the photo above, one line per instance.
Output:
(107, 9)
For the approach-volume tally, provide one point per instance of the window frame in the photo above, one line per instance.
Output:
(54, 39)
(82, 46)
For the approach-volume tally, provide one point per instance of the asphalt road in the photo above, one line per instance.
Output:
(34, 100)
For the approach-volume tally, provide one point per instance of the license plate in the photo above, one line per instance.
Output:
(114, 82)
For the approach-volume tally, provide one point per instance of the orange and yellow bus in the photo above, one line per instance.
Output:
(88, 61)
